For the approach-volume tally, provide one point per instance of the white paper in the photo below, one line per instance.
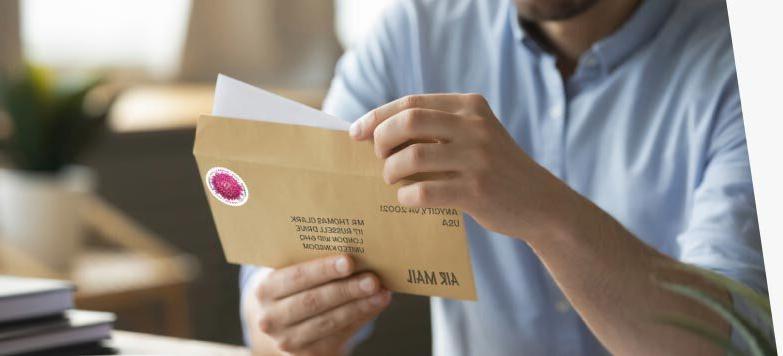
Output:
(239, 100)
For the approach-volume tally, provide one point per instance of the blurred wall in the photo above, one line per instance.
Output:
(10, 49)
(10, 52)
(289, 44)
(279, 43)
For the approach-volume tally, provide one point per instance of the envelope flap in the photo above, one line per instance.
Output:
(286, 145)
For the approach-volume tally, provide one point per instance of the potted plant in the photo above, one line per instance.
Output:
(51, 120)
(754, 330)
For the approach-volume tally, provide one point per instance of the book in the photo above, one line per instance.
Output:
(72, 327)
(26, 298)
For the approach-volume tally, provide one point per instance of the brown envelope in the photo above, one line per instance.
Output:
(282, 194)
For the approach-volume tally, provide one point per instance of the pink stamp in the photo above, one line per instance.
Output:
(227, 186)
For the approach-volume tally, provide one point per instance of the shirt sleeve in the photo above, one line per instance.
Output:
(365, 78)
(723, 231)
(373, 72)
(249, 276)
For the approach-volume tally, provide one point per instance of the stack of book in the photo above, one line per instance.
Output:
(38, 315)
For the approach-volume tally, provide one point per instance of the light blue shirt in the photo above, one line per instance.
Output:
(649, 128)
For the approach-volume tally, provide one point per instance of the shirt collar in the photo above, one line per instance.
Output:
(640, 28)
(518, 32)
(645, 22)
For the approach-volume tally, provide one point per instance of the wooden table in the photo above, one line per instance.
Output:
(135, 275)
(147, 293)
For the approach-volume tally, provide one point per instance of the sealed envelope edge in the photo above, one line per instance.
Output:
(337, 152)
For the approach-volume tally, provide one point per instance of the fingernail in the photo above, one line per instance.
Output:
(367, 284)
(378, 299)
(341, 265)
(356, 129)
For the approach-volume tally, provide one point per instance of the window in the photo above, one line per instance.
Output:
(145, 35)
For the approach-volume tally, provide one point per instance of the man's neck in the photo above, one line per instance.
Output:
(569, 39)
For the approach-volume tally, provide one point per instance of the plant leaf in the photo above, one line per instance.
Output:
(701, 329)
(70, 124)
(50, 124)
(757, 300)
(28, 110)
(757, 342)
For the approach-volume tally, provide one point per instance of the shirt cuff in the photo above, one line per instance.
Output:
(249, 278)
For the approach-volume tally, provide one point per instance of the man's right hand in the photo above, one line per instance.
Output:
(313, 307)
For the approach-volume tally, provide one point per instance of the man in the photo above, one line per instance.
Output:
(602, 142)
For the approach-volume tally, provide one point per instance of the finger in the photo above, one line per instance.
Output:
(338, 341)
(420, 158)
(363, 128)
(415, 125)
(430, 193)
(311, 330)
(309, 303)
(290, 280)
(326, 346)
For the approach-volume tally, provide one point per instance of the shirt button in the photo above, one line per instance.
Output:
(562, 306)
(556, 112)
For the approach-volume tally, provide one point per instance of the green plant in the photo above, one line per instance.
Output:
(52, 119)
(757, 341)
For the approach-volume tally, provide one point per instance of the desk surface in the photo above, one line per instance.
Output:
(131, 343)
(127, 343)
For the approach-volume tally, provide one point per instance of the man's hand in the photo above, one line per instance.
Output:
(473, 164)
(313, 308)
(479, 168)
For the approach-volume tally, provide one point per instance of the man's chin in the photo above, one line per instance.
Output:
(552, 10)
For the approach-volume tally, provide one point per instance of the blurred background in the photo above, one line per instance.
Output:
(98, 184)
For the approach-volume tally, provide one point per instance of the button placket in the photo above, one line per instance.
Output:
(590, 61)
(556, 111)
(589, 69)
(555, 116)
